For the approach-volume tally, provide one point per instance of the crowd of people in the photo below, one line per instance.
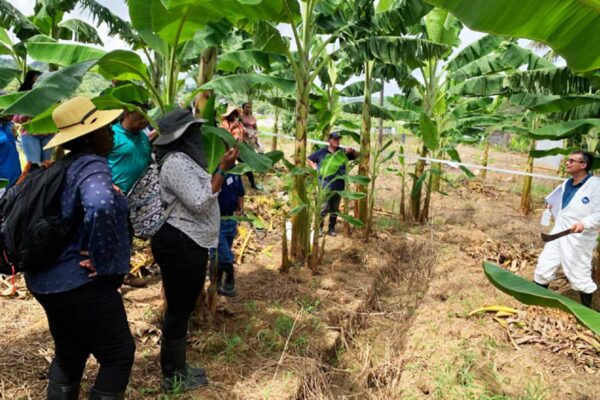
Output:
(108, 152)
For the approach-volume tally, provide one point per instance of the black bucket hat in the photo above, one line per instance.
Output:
(173, 125)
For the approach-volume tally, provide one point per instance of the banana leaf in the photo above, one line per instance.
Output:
(7, 75)
(214, 148)
(570, 27)
(474, 51)
(332, 163)
(248, 59)
(563, 130)
(76, 29)
(123, 65)
(429, 132)
(528, 292)
(8, 99)
(550, 152)
(50, 89)
(63, 54)
(358, 89)
(547, 103)
(244, 83)
(351, 220)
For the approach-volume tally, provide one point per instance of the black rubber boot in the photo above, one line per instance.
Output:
(63, 391)
(98, 395)
(177, 375)
(586, 299)
(332, 221)
(228, 288)
(546, 286)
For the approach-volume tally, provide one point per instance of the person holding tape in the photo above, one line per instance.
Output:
(578, 211)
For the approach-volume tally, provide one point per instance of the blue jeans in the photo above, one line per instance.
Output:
(227, 233)
(33, 146)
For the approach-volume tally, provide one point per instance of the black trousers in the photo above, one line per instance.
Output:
(88, 320)
(182, 265)
(331, 206)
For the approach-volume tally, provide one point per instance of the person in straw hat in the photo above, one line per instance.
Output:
(231, 122)
(79, 292)
(180, 247)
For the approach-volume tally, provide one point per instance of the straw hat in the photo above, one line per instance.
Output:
(78, 117)
(231, 109)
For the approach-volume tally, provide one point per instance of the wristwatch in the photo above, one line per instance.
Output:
(222, 172)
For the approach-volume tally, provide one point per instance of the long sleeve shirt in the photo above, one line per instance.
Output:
(186, 192)
(102, 232)
(10, 166)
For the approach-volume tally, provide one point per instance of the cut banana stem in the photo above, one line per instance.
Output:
(495, 308)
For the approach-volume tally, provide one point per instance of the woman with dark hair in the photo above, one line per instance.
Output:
(33, 145)
(79, 291)
(190, 194)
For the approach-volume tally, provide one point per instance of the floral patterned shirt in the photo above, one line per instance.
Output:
(186, 192)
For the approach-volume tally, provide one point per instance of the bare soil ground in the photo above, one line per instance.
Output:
(385, 320)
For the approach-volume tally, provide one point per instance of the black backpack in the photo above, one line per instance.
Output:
(33, 233)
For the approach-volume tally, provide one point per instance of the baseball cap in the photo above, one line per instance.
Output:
(335, 135)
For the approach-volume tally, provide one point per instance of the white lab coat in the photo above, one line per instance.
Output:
(574, 252)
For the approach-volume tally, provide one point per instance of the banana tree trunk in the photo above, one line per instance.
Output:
(365, 144)
(204, 103)
(424, 214)
(485, 157)
(381, 98)
(300, 221)
(525, 206)
(275, 129)
(415, 198)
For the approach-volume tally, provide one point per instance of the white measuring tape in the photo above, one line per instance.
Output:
(453, 164)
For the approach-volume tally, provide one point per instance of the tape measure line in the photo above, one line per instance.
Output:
(453, 164)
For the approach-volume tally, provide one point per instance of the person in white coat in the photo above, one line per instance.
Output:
(580, 212)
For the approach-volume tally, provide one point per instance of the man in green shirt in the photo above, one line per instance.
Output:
(132, 150)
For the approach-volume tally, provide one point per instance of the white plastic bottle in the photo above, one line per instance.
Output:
(546, 217)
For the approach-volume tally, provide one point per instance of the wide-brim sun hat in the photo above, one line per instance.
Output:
(231, 109)
(173, 125)
(78, 117)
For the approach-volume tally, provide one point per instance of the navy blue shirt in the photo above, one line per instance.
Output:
(318, 156)
(232, 189)
(571, 189)
(103, 231)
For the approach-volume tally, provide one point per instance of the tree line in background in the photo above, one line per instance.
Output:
(234, 48)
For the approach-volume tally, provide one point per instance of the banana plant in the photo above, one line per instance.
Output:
(571, 28)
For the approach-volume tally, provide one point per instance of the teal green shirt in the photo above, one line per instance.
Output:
(129, 158)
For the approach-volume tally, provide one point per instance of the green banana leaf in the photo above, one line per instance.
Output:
(528, 292)
(50, 89)
(140, 13)
(214, 148)
(474, 51)
(7, 75)
(332, 163)
(394, 50)
(549, 103)
(63, 54)
(356, 89)
(556, 81)
(9, 99)
(382, 112)
(550, 152)
(244, 83)
(123, 65)
(570, 27)
(491, 85)
(563, 130)
(442, 27)
(258, 162)
(76, 29)
(248, 59)
(429, 132)
(351, 220)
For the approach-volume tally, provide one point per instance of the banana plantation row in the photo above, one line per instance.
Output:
(447, 96)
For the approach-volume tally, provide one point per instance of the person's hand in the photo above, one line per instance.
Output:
(117, 189)
(578, 227)
(229, 158)
(87, 264)
(349, 150)
(153, 134)
(549, 207)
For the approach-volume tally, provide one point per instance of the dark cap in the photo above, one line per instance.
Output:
(173, 125)
(335, 135)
